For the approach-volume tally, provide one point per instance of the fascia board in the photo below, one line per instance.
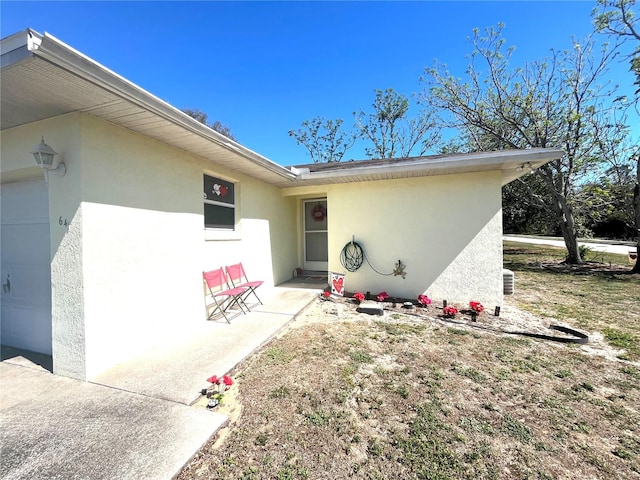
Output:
(64, 56)
(18, 46)
(482, 161)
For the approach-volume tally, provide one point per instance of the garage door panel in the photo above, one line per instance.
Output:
(25, 269)
(25, 201)
(16, 321)
(25, 243)
(28, 285)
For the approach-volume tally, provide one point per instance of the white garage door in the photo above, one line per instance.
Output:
(25, 268)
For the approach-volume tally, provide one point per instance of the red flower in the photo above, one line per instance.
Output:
(227, 380)
(214, 379)
(450, 311)
(382, 296)
(358, 296)
(476, 307)
(326, 294)
(424, 300)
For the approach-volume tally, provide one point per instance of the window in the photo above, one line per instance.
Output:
(219, 204)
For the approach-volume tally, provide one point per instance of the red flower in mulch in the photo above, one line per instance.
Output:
(382, 296)
(359, 296)
(326, 294)
(476, 307)
(214, 379)
(227, 380)
(449, 311)
(424, 300)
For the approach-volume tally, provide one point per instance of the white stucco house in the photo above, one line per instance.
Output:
(106, 259)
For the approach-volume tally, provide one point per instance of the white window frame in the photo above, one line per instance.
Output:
(224, 233)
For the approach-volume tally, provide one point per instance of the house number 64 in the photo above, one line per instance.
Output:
(64, 222)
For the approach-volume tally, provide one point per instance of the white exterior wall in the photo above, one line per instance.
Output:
(266, 240)
(67, 305)
(126, 273)
(447, 230)
(144, 240)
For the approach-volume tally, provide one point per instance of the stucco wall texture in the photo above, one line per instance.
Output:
(447, 230)
(126, 267)
(126, 272)
(66, 249)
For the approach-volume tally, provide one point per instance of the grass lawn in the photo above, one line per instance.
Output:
(596, 298)
(398, 397)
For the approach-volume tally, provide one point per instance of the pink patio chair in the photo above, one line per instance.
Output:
(223, 296)
(239, 279)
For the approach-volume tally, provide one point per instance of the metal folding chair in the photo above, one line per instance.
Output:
(224, 297)
(239, 279)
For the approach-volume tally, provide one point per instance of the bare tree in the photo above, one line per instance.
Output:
(548, 103)
(324, 139)
(392, 132)
(636, 209)
(203, 118)
(617, 18)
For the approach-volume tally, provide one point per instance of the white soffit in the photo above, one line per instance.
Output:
(511, 163)
(43, 78)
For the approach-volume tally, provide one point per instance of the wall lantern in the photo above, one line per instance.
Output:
(44, 156)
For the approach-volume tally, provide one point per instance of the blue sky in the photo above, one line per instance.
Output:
(262, 68)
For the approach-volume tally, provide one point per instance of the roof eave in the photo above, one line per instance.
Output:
(510, 162)
(53, 50)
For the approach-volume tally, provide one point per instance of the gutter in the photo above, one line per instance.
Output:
(469, 162)
(18, 46)
(53, 50)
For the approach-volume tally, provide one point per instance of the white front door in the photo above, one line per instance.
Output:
(25, 266)
(316, 250)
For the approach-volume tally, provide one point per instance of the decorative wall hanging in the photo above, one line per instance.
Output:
(319, 213)
(220, 190)
(337, 283)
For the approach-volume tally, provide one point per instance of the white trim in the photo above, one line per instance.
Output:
(212, 234)
(25, 38)
(506, 161)
(220, 204)
(312, 264)
(218, 234)
(57, 52)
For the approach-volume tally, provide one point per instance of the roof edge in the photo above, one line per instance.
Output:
(59, 53)
(18, 46)
(536, 157)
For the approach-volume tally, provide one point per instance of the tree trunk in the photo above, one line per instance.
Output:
(636, 209)
(564, 216)
(568, 228)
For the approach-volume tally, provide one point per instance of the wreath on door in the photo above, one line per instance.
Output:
(319, 213)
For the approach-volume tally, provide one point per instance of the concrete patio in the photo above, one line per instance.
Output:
(134, 420)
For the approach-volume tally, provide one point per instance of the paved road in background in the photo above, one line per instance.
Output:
(622, 248)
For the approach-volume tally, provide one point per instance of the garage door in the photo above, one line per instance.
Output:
(25, 268)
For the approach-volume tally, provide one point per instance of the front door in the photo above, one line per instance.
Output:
(315, 235)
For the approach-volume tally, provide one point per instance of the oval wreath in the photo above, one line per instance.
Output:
(319, 213)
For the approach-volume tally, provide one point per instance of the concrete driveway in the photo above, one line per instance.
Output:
(135, 420)
(57, 428)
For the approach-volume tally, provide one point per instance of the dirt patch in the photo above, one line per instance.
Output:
(587, 268)
(413, 395)
(511, 321)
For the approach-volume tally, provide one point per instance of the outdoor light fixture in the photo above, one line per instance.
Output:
(44, 156)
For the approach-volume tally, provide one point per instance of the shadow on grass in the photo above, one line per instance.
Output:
(572, 336)
(552, 260)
